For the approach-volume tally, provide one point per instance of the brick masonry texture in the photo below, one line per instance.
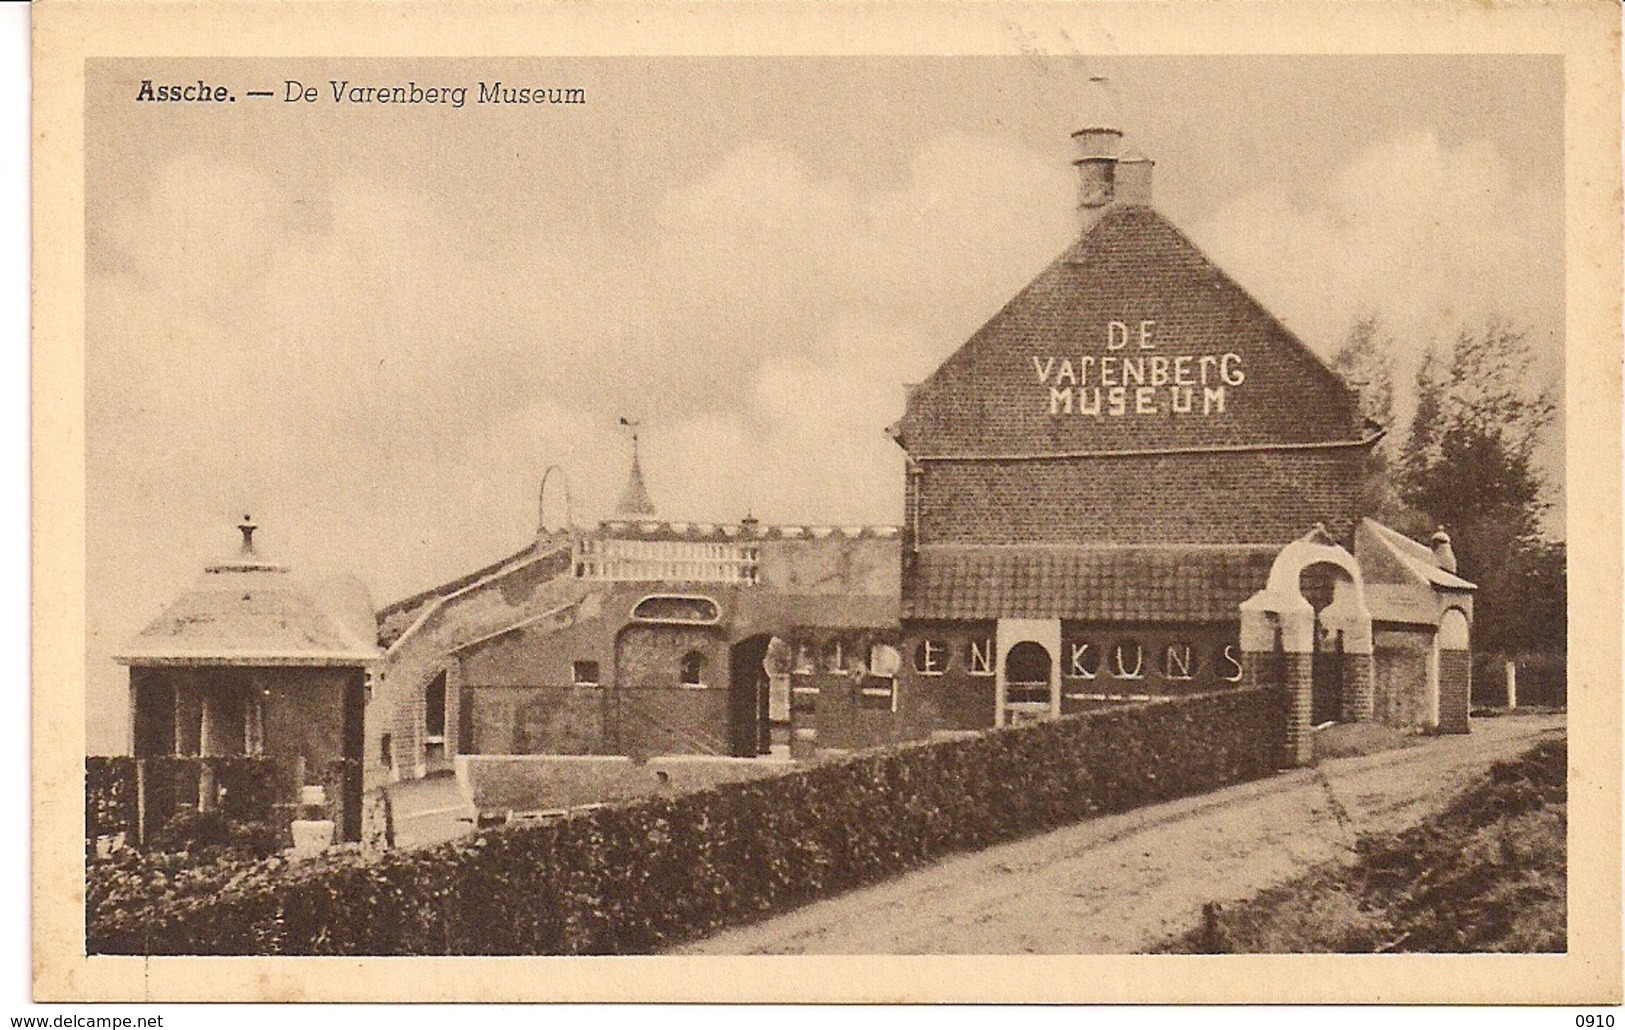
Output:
(1132, 265)
(1455, 688)
(1401, 675)
(1237, 498)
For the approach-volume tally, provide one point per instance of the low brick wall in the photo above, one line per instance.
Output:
(534, 783)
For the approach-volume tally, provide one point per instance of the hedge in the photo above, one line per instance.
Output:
(252, 790)
(110, 799)
(646, 875)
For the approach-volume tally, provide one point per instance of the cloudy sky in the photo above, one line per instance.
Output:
(373, 327)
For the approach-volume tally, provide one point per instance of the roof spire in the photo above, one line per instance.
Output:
(635, 498)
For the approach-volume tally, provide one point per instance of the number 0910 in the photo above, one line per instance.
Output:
(1605, 1020)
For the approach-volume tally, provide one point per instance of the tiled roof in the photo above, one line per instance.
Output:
(1386, 555)
(260, 615)
(1150, 584)
(423, 597)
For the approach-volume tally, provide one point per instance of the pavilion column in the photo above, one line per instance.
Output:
(208, 736)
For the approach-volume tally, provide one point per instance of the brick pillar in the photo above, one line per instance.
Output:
(1455, 672)
(1348, 619)
(1455, 690)
(1271, 620)
(1359, 687)
(1300, 741)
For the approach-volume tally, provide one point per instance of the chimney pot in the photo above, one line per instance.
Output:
(1098, 141)
(1444, 555)
(1134, 178)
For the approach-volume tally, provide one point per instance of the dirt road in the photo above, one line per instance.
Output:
(1122, 883)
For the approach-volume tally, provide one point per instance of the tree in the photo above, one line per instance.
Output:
(1469, 463)
(1366, 362)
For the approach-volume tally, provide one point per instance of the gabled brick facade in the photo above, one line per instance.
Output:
(1104, 472)
(1131, 394)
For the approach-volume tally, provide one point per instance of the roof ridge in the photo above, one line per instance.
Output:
(453, 585)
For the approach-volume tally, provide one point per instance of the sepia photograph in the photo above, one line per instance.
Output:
(854, 504)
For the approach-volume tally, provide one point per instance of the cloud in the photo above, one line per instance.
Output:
(1426, 236)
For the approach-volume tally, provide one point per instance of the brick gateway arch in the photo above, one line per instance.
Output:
(1280, 632)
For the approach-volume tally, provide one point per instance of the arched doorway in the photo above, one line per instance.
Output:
(1029, 683)
(749, 730)
(1326, 644)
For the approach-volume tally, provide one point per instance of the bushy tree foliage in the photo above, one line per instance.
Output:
(1468, 462)
(1366, 362)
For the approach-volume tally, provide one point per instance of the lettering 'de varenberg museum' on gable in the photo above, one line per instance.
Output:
(1137, 373)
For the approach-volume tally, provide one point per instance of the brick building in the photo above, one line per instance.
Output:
(1133, 481)
(641, 636)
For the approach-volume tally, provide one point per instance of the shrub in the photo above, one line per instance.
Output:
(110, 799)
(253, 796)
(645, 875)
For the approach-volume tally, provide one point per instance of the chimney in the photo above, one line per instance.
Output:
(1098, 140)
(1444, 555)
(246, 528)
(1134, 177)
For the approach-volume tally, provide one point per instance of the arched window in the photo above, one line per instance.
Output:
(694, 669)
(1027, 674)
(677, 609)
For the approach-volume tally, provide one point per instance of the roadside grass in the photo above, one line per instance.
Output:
(1488, 874)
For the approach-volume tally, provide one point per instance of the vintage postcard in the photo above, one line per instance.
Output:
(929, 502)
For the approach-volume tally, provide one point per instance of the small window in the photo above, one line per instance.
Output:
(386, 750)
(1179, 661)
(804, 658)
(1128, 660)
(979, 657)
(1082, 659)
(585, 673)
(694, 669)
(1229, 663)
(930, 657)
(835, 655)
(434, 709)
(677, 609)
